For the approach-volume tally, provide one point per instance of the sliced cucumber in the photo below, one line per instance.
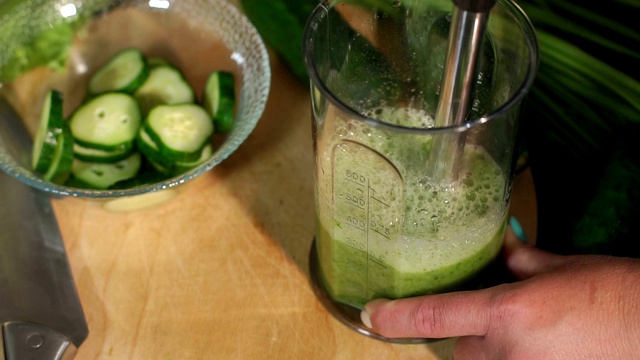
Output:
(220, 100)
(155, 61)
(98, 155)
(160, 168)
(103, 175)
(165, 86)
(106, 144)
(150, 150)
(205, 154)
(62, 158)
(164, 165)
(179, 131)
(145, 141)
(125, 72)
(108, 122)
(50, 126)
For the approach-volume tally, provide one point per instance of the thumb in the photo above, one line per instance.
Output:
(430, 316)
(525, 261)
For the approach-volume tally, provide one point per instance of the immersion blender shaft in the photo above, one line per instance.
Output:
(468, 24)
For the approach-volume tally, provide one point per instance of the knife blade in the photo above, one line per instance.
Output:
(41, 316)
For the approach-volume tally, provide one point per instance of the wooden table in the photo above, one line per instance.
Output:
(221, 271)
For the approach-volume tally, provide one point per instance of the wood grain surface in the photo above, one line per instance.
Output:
(220, 271)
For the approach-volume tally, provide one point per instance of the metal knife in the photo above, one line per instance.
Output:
(41, 316)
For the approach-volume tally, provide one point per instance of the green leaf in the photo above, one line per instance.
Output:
(281, 25)
(590, 27)
(49, 48)
(606, 225)
(366, 75)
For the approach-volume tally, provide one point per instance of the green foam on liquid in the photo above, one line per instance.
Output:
(384, 230)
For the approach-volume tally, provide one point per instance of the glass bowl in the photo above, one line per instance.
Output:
(59, 43)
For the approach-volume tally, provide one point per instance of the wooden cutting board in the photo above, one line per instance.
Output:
(220, 271)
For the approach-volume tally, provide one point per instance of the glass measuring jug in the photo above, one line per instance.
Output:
(404, 207)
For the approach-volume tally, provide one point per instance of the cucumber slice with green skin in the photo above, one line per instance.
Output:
(62, 159)
(182, 166)
(155, 61)
(220, 100)
(125, 72)
(145, 141)
(160, 168)
(103, 175)
(165, 86)
(98, 155)
(49, 128)
(151, 152)
(179, 131)
(108, 122)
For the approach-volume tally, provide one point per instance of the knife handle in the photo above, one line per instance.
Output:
(23, 340)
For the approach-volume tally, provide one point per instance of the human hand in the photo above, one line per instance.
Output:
(565, 307)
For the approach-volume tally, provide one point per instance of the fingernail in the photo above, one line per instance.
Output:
(365, 318)
(517, 229)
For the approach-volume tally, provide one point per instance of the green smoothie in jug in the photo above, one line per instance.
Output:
(386, 230)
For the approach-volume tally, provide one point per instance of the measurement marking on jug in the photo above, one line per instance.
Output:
(380, 200)
(367, 232)
(366, 210)
(355, 244)
(356, 223)
(380, 228)
(356, 178)
(376, 259)
(354, 200)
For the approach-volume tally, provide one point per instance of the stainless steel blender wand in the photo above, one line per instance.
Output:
(468, 24)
